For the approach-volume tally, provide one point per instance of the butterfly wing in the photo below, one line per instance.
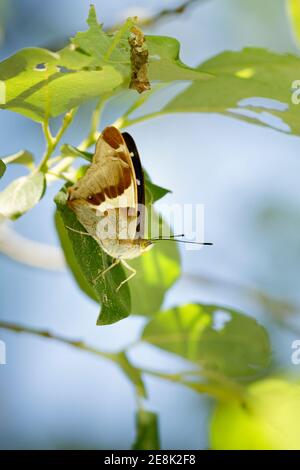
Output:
(139, 176)
(110, 182)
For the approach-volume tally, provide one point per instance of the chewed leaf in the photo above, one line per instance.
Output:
(252, 85)
(21, 195)
(216, 338)
(91, 260)
(165, 64)
(39, 83)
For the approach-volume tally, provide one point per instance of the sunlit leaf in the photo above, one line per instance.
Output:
(147, 431)
(294, 13)
(21, 158)
(214, 337)
(253, 85)
(269, 420)
(39, 83)
(165, 64)
(51, 89)
(21, 195)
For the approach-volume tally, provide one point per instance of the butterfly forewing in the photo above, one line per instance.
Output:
(106, 199)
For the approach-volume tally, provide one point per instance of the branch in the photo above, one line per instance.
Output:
(232, 391)
(29, 252)
(163, 14)
(51, 141)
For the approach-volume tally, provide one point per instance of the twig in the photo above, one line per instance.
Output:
(162, 14)
(52, 141)
(234, 392)
(46, 334)
(29, 252)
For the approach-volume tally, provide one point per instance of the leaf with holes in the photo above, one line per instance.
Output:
(39, 83)
(252, 85)
(216, 338)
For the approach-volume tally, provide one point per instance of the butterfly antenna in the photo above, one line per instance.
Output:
(172, 238)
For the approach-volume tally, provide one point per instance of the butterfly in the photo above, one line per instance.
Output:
(109, 200)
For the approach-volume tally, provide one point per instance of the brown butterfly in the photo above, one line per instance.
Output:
(109, 199)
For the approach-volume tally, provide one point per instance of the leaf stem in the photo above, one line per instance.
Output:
(52, 141)
(122, 123)
(95, 121)
(118, 36)
(46, 334)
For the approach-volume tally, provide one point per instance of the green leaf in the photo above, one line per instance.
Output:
(217, 338)
(154, 192)
(2, 168)
(51, 89)
(294, 14)
(92, 260)
(21, 195)
(269, 420)
(240, 76)
(157, 271)
(165, 64)
(132, 373)
(71, 258)
(147, 431)
(68, 150)
(42, 84)
(23, 157)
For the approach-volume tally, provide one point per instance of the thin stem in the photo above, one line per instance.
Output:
(126, 26)
(60, 176)
(213, 388)
(232, 391)
(95, 121)
(123, 123)
(163, 14)
(46, 334)
(51, 141)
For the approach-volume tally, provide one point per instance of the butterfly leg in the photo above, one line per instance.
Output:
(133, 273)
(78, 231)
(102, 273)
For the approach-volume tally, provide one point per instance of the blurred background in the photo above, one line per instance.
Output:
(53, 396)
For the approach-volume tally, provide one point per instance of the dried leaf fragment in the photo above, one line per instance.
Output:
(139, 61)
